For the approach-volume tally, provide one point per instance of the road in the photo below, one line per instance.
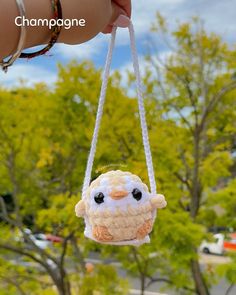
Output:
(156, 288)
(206, 260)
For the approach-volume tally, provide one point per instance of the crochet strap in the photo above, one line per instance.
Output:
(142, 115)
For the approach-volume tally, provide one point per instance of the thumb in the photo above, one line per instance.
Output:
(116, 11)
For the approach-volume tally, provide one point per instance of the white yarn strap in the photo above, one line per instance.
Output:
(99, 112)
(142, 115)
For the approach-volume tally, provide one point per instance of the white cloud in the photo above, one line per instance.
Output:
(144, 12)
(143, 65)
(30, 74)
(128, 68)
(218, 15)
(83, 51)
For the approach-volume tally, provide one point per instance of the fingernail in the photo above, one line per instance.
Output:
(122, 21)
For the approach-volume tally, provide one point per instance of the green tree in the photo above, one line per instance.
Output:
(195, 87)
(229, 272)
(45, 139)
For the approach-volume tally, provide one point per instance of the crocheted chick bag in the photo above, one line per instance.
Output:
(117, 207)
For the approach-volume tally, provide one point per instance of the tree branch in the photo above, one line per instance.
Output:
(160, 84)
(78, 254)
(134, 251)
(183, 180)
(14, 283)
(53, 274)
(24, 253)
(229, 289)
(182, 79)
(64, 248)
(4, 214)
(213, 102)
(187, 123)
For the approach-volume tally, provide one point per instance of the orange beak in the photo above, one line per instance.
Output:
(118, 195)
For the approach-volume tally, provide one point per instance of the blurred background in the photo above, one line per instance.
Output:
(48, 105)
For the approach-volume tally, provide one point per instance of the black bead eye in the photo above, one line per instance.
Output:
(99, 198)
(137, 194)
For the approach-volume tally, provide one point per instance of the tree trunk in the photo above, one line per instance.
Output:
(61, 282)
(196, 185)
(77, 253)
(63, 287)
(142, 279)
(67, 285)
(199, 281)
(200, 284)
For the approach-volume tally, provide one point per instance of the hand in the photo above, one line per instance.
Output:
(118, 7)
(99, 15)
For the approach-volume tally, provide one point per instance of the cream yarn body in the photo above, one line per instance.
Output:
(118, 209)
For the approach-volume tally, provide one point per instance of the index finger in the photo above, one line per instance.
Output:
(126, 5)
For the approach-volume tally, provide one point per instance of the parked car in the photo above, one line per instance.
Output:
(43, 241)
(230, 243)
(39, 239)
(53, 238)
(214, 247)
(221, 244)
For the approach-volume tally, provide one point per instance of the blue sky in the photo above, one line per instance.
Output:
(218, 16)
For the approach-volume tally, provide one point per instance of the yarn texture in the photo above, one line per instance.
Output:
(125, 213)
(117, 207)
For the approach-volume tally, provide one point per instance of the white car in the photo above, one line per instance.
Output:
(215, 247)
(39, 240)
